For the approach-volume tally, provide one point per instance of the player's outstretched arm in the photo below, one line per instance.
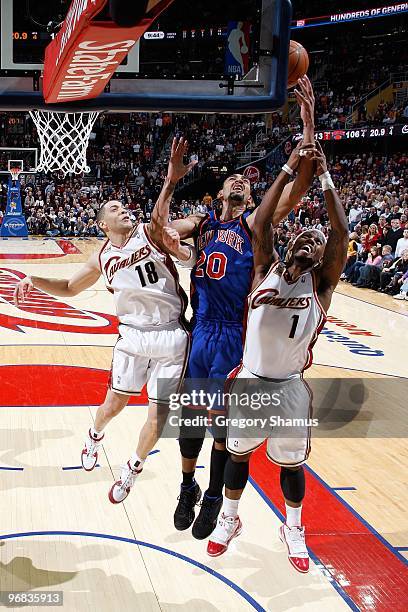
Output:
(295, 190)
(81, 280)
(176, 170)
(187, 227)
(262, 228)
(335, 253)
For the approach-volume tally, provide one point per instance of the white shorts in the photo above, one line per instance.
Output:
(287, 445)
(156, 357)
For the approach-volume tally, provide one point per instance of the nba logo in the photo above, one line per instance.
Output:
(237, 49)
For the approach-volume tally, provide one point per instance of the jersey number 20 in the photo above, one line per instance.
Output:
(216, 265)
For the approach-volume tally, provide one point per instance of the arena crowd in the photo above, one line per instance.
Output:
(128, 159)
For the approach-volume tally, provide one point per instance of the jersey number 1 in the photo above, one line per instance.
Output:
(294, 326)
(150, 271)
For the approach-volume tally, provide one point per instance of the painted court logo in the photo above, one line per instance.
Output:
(42, 311)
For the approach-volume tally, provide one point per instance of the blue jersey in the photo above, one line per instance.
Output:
(221, 278)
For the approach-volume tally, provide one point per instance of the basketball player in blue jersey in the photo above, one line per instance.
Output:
(220, 282)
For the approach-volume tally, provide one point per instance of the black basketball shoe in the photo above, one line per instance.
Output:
(185, 514)
(206, 520)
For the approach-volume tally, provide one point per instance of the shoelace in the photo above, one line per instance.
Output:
(206, 507)
(129, 480)
(92, 446)
(227, 523)
(185, 499)
(296, 537)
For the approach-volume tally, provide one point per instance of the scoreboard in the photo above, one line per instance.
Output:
(360, 133)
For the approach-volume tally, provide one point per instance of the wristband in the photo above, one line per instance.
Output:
(326, 181)
(190, 262)
(287, 169)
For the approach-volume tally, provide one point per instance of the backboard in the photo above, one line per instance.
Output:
(23, 159)
(211, 56)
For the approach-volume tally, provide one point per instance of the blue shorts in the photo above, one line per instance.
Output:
(216, 349)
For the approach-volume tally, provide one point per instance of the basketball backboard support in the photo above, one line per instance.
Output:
(261, 89)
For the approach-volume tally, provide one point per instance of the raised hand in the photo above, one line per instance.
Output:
(320, 158)
(177, 169)
(301, 150)
(306, 100)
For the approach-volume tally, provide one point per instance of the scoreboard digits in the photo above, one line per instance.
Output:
(360, 133)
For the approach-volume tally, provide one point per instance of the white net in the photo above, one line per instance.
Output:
(64, 139)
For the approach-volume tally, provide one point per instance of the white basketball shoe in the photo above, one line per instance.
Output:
(89, 455)
(294, 538)
(121, 489)
(228, 527)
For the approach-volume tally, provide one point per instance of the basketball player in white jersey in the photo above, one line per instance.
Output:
(286, 311)
(153, 343)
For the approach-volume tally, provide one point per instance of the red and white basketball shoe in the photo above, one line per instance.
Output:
(228, 527)
(121, 489)
(89, 455)
(294, 538)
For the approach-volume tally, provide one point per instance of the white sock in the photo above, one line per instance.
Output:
(293, 516)
(230, 507)
(136, 463)
(96, 435)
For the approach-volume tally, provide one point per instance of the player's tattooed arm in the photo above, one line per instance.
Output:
(176, 170)
(335, 253)
(81, 280)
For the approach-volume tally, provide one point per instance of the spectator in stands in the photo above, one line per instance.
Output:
(373, 273)
(389, 280)
(402, 244)
(394, 234)
(374, 259)
(373, 237)
(207, 199)
(403, 282)
(354, 215)
(352, 252)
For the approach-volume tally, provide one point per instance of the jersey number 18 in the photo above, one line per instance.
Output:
(149, 272)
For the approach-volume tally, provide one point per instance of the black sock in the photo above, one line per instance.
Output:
(218, 461)
(188, 479)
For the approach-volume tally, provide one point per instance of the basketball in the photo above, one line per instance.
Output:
(298, 62)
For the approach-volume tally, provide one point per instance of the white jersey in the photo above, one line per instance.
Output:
(143, 280)
(283, 322)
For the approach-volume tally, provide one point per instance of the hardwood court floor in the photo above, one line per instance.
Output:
(59, 531)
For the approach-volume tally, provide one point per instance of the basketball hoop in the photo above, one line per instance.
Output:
(64, 139)
(14, 171)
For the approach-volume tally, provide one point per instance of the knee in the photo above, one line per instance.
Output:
(241, 458)
(220, 444)
(292, 482)
(236, 472)
(190, 447)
